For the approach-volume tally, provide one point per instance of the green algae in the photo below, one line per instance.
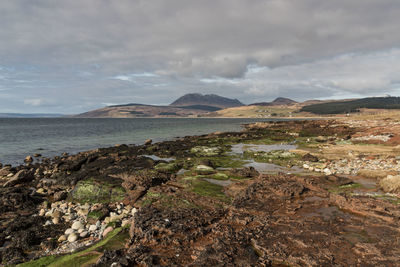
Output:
(278, 157)
(345, 188)
(166, 201)
(167, 167)
(97, 214)
(205, 151)
(97, 191)
(207, 189)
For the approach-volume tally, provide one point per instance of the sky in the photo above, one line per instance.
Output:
(73, 56)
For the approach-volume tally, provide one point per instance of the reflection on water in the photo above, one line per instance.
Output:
(156, 158)
(52, 136)
(262, 167)
(240, 148)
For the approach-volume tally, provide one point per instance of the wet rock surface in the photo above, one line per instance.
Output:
(192, 202)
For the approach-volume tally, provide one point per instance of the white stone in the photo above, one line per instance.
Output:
(134, 210)
(92, 228)
(83, 234)
(116, 218)
(42, 212)
(56, 220)
(125, 222)
(77, 225)
(72, 237)
(327, 171)
(69, 231)
(62, 238)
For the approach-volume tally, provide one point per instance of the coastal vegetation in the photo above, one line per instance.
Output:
(343, 107)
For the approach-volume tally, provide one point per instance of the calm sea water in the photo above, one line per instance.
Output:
(52, 136)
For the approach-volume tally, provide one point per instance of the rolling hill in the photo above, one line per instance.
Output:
(277, 102)
(143, 111)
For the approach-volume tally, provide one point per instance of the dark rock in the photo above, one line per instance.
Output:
(60, 195)
(20, 177)
(148, 142)
(321, 139)
(5, 171)
(309, 157)
(14, 198)
(247, 172)
(115, 258)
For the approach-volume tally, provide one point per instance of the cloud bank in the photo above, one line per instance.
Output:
(70, 56)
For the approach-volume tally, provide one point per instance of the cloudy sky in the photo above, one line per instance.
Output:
(73, 56)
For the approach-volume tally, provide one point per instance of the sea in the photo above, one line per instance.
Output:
(20, 137)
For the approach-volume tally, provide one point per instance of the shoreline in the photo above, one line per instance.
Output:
(55, 136)
(120, 195)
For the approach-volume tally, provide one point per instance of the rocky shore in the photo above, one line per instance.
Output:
(292, 193)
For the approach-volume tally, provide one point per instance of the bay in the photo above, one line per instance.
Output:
(20, 137)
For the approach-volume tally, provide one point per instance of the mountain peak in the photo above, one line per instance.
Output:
(280, 101)
(212, 100)
(283, 101)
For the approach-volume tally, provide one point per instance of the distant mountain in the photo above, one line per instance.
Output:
(340, 107)
(30, 115)
(280, 101)
(206, 100)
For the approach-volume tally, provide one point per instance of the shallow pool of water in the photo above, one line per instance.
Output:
(218, 182)
(240, 148)
(154, 157)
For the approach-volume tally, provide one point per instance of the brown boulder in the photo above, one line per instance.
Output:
(20, 177)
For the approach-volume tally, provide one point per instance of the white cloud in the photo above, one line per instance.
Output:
(34, 102)
(352, 74)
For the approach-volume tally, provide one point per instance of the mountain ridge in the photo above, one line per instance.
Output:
(277, 102)
(212, 100)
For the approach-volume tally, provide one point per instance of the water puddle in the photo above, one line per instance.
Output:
(269, 168)
(240, 148)
(366, 183)
(262, 167)
(218, 182)
(155, 158)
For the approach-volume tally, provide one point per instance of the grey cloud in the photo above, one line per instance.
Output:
(71, 49)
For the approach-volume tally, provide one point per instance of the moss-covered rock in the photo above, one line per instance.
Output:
(220, 176)
(203, 169)
(207, 189)
(204, 151)
(98, 190)
(167, 167)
